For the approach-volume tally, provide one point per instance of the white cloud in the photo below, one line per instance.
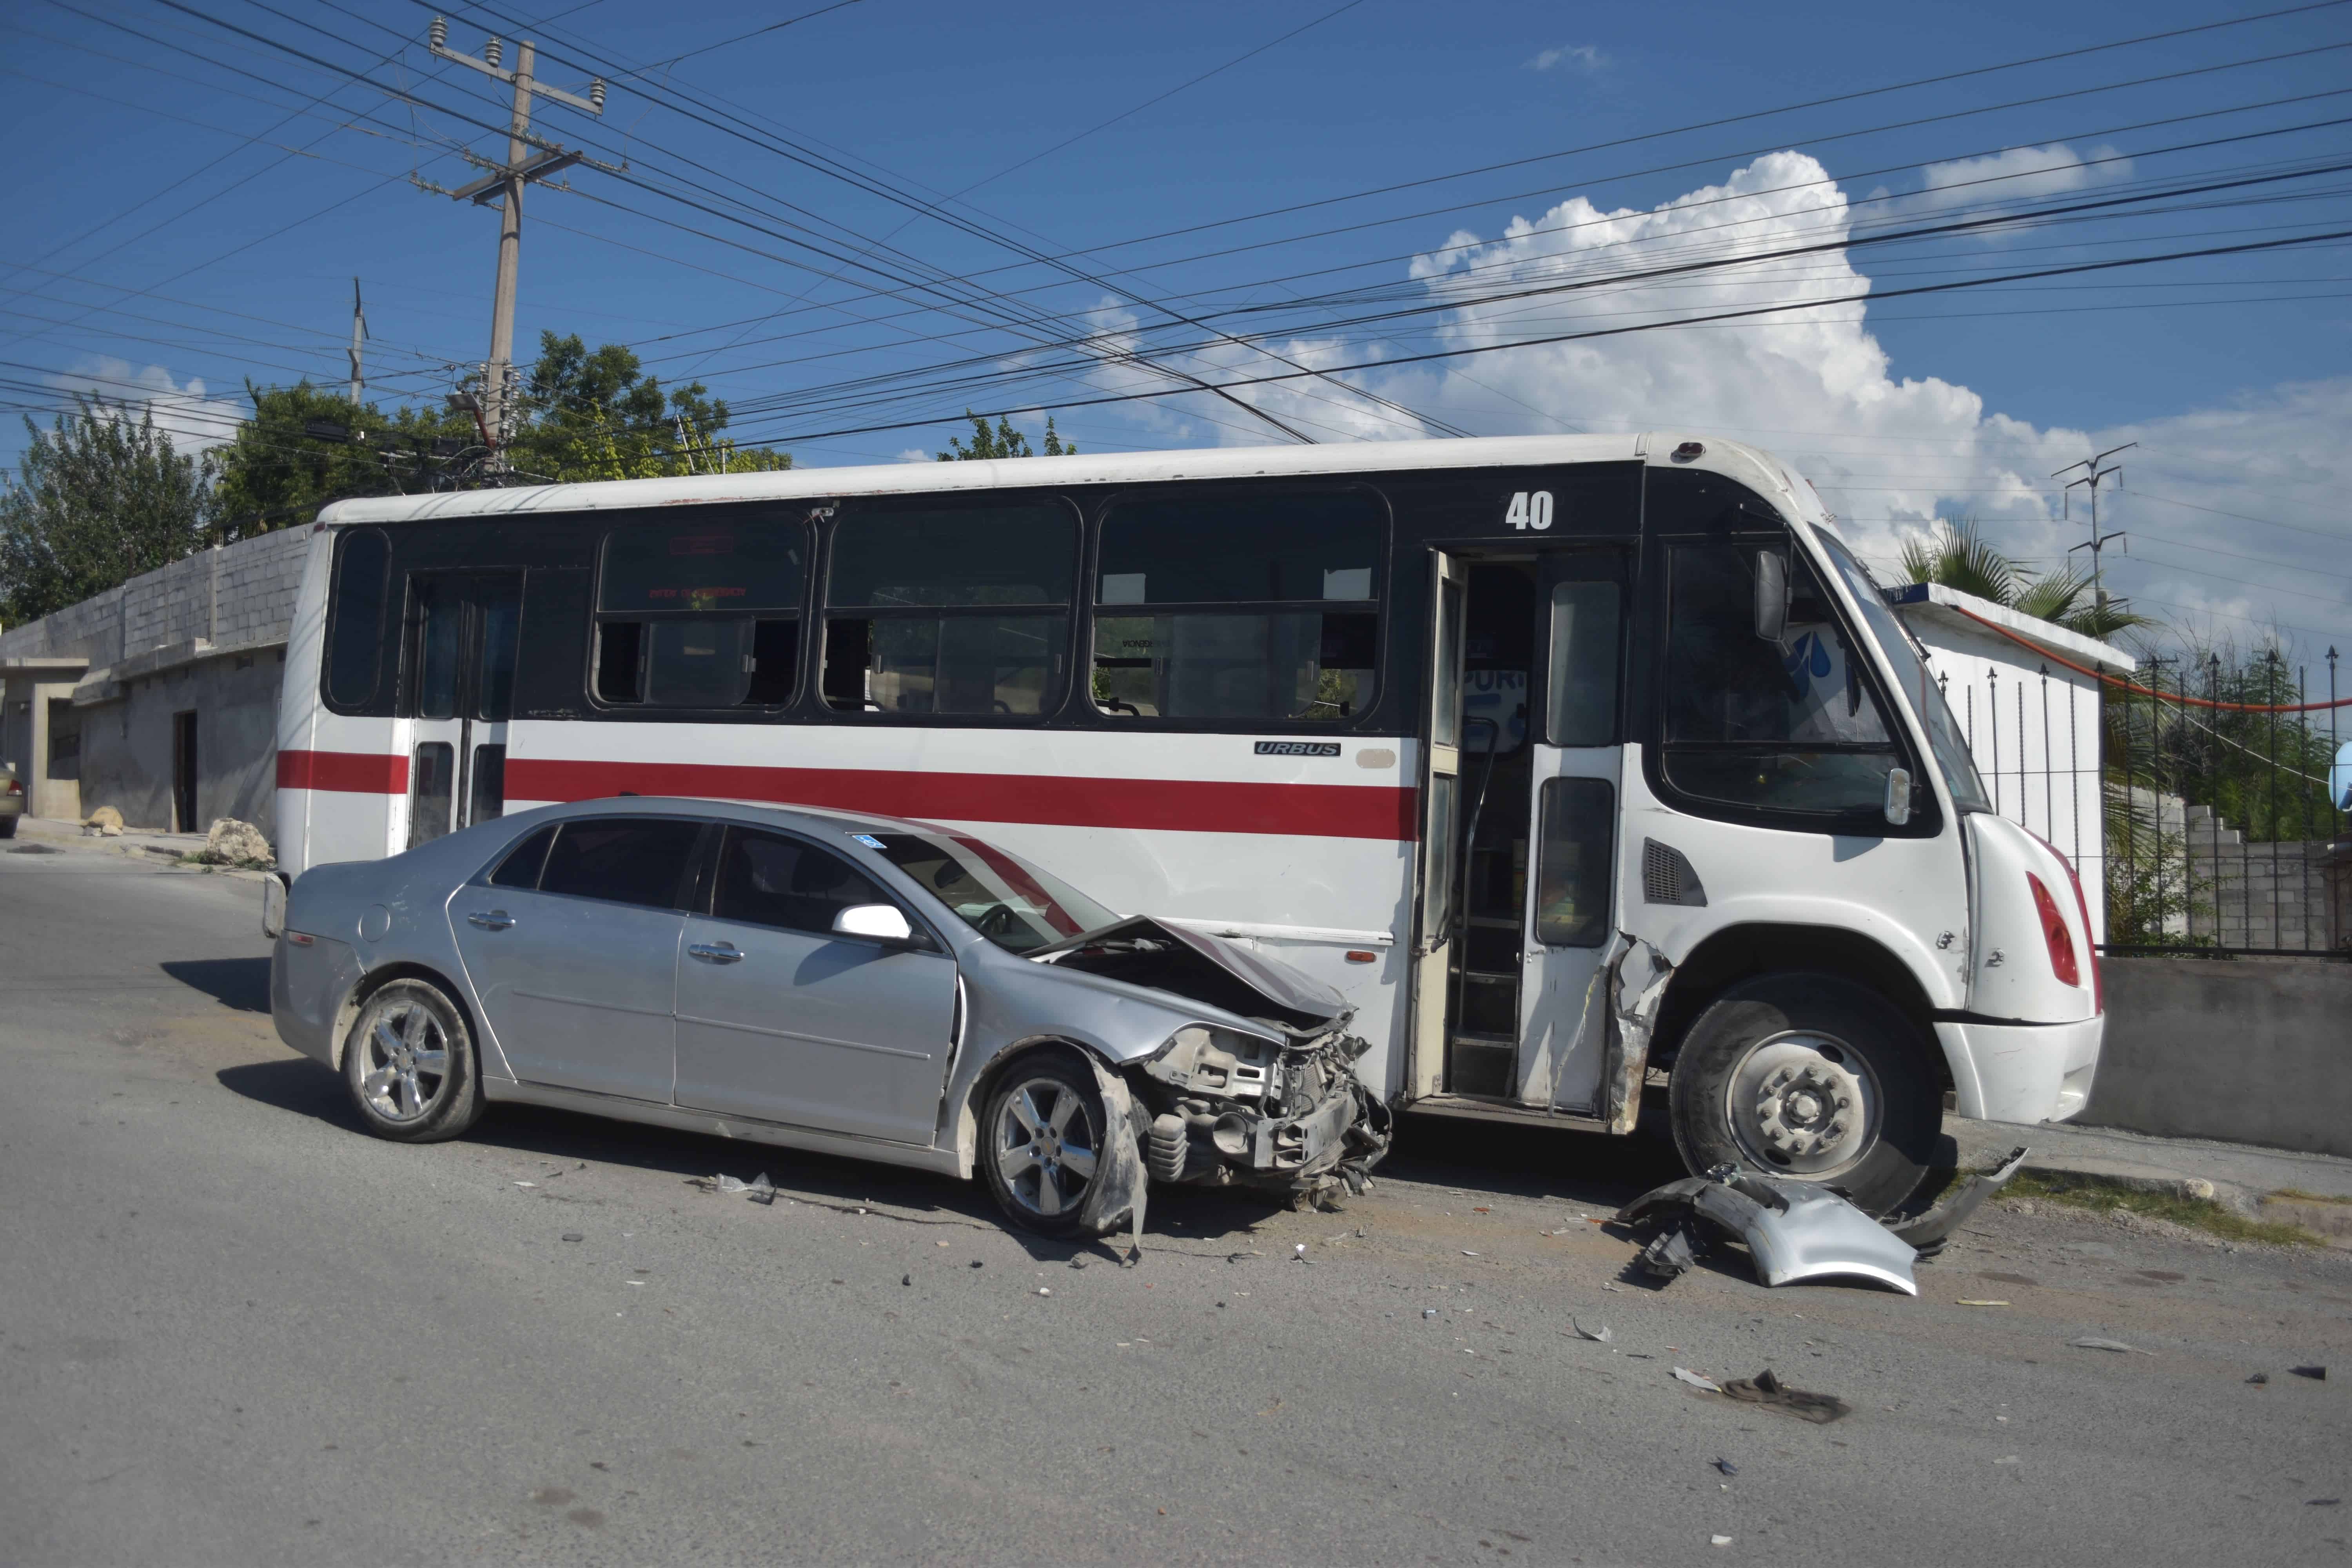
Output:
(1889, 452)
(183, 410)
(917, 455)
(1575, 57)
(2015, 174)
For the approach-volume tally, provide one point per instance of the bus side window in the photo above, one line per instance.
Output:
(700, 614)
(944, 610)
(354, 648)
(1259, 608)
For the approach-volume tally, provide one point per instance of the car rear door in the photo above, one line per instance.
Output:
(572, 942)
(780, 1019)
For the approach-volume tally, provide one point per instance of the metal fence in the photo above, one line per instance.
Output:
(2223, 834)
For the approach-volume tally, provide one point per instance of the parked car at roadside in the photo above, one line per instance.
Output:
(12, 799)
(859, 985)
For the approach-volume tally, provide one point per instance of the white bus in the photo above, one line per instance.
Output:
(1572, 761)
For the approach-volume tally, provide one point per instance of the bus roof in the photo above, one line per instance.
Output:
(1087, 469)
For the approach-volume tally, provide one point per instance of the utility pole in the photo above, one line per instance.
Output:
(2092, 474)
(504, 183)
(358, 331)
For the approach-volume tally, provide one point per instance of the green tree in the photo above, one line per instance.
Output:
(1004, 441)
(1958, 556)
(275, 473)
(96, 501)
(593, 413)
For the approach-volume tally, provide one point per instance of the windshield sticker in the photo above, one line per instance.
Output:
(868, 839)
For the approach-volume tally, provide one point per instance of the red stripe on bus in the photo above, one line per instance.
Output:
(354, 772)
(1326, 811)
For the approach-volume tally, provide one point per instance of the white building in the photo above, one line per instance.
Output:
(2032, 722)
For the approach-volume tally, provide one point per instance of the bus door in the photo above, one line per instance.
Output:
(1441, 829)
(1521, 826)
(462, 635)
(1570, 830)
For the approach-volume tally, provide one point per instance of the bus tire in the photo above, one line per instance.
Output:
(410, 1066)
(1811, 1076)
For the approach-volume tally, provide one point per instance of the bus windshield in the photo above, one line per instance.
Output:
(1003, 897)
(1920, 687)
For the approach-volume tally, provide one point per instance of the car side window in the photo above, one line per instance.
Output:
(521, 867)
(765, 878)
(622, 860)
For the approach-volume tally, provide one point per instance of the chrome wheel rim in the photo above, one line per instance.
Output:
(1047, 1147)
(1805, 1103)
(405, 1065)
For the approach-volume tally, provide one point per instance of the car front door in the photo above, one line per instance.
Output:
(572, 943)
(780, 1019)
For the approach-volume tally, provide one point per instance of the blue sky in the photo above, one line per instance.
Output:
(166, 196)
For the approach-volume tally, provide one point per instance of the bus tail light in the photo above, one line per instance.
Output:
(2091, 956)
(2055, 933)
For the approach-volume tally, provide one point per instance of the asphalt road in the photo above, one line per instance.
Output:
(236, 1330)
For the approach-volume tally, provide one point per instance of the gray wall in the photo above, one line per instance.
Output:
(241, 592)
(2250, 1050)
(219, 619)
(126, 745)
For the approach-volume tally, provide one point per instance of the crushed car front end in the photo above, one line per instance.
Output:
(1260, 1090)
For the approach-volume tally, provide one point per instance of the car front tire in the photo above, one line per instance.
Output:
(410, 1065)
(1042, 1142)
(1809, 1077)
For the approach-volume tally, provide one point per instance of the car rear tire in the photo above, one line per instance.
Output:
(410, 1065)
(1042, 1142)
(7, 827)
(1812, 1077)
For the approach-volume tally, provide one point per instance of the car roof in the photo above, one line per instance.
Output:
(807, 818)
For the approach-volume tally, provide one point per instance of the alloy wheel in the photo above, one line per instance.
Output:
(1047, 1147)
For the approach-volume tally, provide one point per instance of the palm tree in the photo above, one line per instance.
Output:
(1958, 556)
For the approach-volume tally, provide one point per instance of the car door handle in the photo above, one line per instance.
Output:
(717, 952)
(496, 919)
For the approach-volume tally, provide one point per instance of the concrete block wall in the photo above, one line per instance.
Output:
(2248, 1050)
(220, 618)
(241, 593)
(91, 629)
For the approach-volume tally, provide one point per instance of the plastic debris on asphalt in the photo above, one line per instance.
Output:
(573, 1236)
(2091, 1342)
(1725, 1465)
(1764, 1388)
(2316, 1374)
(1684, 1375)
(1669, 1256)
(2260, 1377)
(1598, 1336)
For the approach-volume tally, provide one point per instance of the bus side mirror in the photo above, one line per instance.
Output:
(1898, 796)
(1771, 597)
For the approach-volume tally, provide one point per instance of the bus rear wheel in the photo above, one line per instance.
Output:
(1810, 1077)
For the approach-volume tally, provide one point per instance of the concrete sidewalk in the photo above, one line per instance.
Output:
(139, 842)
(2244, 1177)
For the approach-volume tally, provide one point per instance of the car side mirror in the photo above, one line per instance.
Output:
(885, 922)
(1771, 597)
(1898, 796)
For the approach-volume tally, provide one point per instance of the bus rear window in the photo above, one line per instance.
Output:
(1257, 608)
(352, 649)
(699, 614)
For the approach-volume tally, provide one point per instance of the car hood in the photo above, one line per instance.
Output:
(1202, 968)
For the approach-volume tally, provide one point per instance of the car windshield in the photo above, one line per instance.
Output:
(1920, 687)
(1003, 897)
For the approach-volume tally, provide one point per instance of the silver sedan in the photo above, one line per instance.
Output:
(859, 985)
